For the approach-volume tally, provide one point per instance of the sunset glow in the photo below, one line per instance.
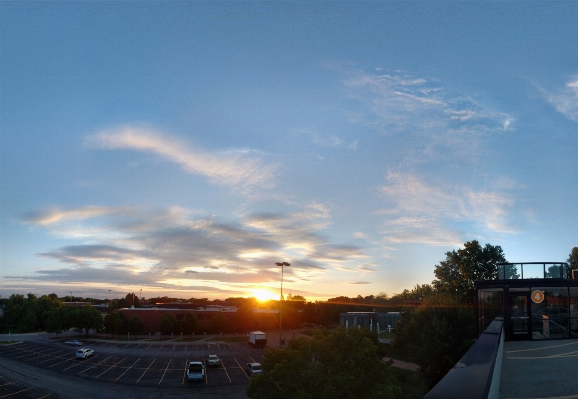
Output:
(264, 295)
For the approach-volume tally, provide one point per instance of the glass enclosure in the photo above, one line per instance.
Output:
(489, 306)
(532, 270)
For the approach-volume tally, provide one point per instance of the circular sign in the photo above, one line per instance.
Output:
(537, 296)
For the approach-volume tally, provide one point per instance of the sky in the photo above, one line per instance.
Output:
(183, 148)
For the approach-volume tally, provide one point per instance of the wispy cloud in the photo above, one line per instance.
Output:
(170, 248)
(565, 100)
(435, 121)
(422, 212)
(230, 168)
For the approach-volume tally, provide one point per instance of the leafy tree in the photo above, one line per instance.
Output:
(457, 273)
(191, 323)
(219, 323)
(168, 324)
(136, 326)
(436, 335)
(113, 323)
(57, 320)
(573, 260)
(86, 318)
(333, 364)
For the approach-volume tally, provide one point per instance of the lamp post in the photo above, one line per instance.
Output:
(281, 264)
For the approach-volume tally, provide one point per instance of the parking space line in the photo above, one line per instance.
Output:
(96, 364)
(51, 358)
(165, 371)
(14, 393)
(65, 360)
(127, 369)
(144, 372)
(149, 346)
(10, 383)
(226, 372)
(74, 365)
(185, 372)
(241, 367)
(45, 396)
(114, 365)
(253, 360)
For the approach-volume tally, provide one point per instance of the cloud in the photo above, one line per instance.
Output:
(168, 247)
(56, 215)
(423, 112)
(422, 212)
(360, 282)
(565, 100)
(231, 168)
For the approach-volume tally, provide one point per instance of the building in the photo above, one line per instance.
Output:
(537, 301)
(369, 319)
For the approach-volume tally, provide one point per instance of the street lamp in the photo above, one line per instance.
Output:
(281, 264)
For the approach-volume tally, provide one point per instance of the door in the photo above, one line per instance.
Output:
(520, 316)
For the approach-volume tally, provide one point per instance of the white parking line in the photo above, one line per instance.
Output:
(94, 365)
(185, 372)
(241, 368)
(226, 372)
(14, 393)
(144, 372)
(165, 371)
(114, 365)
(127, 369)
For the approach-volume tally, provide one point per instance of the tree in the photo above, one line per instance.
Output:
(57, 320)
(573, 260)
(457, 273)
(136, 326)
(87, 318)
(168, 323)
(113, 323)
(191, 323)
(436, 335)
(333, 364)
(219, 323)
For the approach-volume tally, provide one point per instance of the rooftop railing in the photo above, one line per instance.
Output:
(530, 270)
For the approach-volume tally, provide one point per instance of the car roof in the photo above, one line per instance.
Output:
(255, 364)
(195, 363)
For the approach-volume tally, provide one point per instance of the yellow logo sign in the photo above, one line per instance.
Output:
(537, 296)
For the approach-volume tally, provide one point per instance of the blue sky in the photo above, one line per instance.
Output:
(183, 148)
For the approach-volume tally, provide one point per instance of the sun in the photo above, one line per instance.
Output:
(264, 295)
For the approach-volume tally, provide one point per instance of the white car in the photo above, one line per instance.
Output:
(213, 360)
(254, 368)
(74, 342)
(83, 353)
(196, 371)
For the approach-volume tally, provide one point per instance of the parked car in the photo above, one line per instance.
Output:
(213, 360)
(196, 371)
(83, 353)
(74, 342)
(254, 368)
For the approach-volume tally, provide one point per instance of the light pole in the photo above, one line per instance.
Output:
(109, 300)
(282, 264)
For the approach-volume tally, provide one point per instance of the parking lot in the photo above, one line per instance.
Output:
(143, 364)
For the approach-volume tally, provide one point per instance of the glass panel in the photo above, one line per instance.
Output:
(532, 271)
(573, 302)
(550, 318)
(519, 312)
(490, 302)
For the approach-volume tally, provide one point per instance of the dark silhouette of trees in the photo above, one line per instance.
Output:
(457, 273)
(436, 334)
(333, 364)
